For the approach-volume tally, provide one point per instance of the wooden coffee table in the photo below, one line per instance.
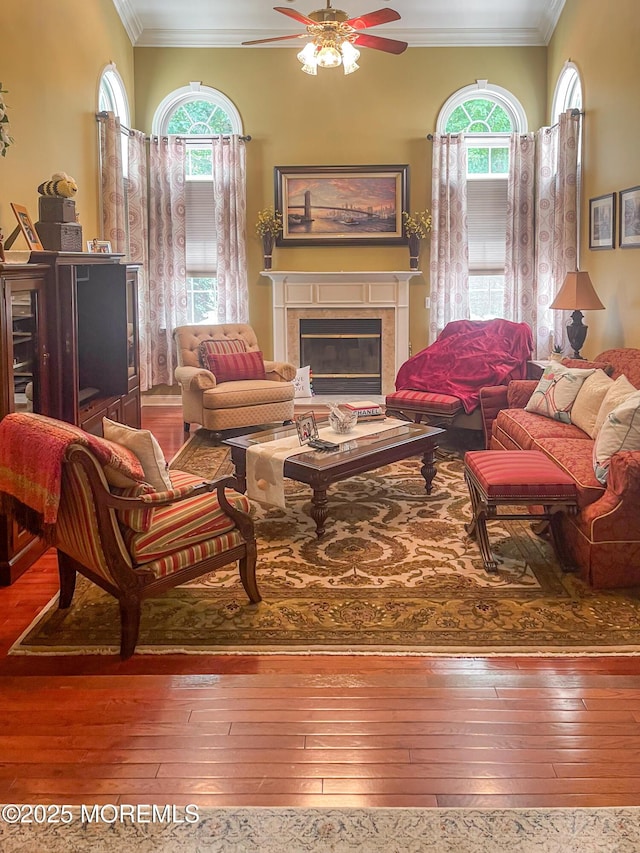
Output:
(355, 456)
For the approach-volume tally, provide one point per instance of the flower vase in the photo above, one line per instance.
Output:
(267, 250)
(414, 251)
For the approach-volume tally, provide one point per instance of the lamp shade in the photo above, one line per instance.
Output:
(577, 294)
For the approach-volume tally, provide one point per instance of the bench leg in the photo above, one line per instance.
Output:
(558, 541)
(477, 527)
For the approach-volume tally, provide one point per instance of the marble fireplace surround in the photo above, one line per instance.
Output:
(375, 294)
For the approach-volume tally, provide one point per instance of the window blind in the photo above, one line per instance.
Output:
(487, 224)
(200, 238)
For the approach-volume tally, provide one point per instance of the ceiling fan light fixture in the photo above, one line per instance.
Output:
(328, 56)
(350, 56)
(307, 57)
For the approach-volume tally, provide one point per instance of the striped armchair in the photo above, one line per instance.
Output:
(136, 543)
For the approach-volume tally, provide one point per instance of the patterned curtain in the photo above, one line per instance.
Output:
(138, 203)
(229, 187)
(556, 218)
(520, 299)
(113, 203)
(165, 293)
(449, 241)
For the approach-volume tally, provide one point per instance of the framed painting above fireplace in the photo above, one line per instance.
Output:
(341, 205)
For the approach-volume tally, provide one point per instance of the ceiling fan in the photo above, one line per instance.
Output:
(333, 36)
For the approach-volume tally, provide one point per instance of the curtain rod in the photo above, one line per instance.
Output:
(574, 112)
(103, 115)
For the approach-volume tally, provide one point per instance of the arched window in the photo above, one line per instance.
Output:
(487, 115)
(568, 91)
(197, 113)
(112, 97)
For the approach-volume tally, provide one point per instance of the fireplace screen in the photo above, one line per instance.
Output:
(344, 355)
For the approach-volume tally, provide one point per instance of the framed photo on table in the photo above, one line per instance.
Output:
(630, 218)
(307, 427)
(27, 227)
(341, 205)
(602, 222)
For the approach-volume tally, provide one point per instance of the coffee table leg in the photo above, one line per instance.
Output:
(239, 469)
(319, 511)
(428, 469)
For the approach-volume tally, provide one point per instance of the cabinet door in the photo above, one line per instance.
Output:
(27, 350)
(133, 369)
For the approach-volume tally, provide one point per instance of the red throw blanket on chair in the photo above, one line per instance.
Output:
(32, 449)
(467, 356)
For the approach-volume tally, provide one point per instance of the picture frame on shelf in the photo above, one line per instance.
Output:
(602, 222)
(341, 205)
(629, 218)
(26, 226)
(100, 247)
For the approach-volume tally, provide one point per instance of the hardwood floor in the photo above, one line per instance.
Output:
(310, 730)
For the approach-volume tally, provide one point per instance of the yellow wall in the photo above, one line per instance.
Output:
(603, 40)
(379, 115)
(51, 58)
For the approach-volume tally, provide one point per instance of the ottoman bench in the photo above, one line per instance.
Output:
(437, 409)
(516, 478)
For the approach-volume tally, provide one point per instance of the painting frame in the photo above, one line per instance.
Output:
(602, 222)
(629, 218)
(26, 226)
(361, 205)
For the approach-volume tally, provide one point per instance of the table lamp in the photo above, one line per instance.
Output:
(577, 294)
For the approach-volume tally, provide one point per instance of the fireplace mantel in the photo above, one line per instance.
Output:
(342, 294)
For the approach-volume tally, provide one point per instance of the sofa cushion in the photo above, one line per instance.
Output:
(587, 404)
(521, 430)
(236, 366)
(575, 457)
(184, 524)
(145, 446)
(250, 392)
(616, 394)
(582, 364)
(556, 392)
(620, 431)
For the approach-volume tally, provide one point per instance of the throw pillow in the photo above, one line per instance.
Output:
(217, 346)
(556, 392)
(620, 431)
(146, 448)
(229, 367)
(302, 382)
(587, 404)
(617, 393)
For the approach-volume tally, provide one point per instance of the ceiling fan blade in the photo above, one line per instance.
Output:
(372, 19)
(277, 38)
(297, 16)
(378, 43)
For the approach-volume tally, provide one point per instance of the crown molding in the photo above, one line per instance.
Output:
(130, 20)
(549, 18)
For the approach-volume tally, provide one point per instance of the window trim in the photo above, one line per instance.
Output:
(569, 80)
(111, 84)
(482, 88)
(194, 92)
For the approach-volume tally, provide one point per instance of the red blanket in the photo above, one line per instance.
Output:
(468, 355)
(32, 449)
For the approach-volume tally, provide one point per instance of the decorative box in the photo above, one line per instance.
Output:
(60, 236)
(54, 209)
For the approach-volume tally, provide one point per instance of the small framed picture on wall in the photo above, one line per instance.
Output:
(630, 218)
(602, 222)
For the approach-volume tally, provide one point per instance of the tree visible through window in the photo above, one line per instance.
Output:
(198, 113)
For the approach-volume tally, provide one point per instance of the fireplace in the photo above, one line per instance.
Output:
(344, 354)
(375, 295)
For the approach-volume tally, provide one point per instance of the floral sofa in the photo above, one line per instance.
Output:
(603, 539)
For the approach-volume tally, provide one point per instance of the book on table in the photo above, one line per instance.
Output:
(364, 408)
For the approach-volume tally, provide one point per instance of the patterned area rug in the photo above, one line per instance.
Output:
(395, 573)
(271, 830)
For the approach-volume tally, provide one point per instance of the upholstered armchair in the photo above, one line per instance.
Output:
(224, 381)
(130, 539)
